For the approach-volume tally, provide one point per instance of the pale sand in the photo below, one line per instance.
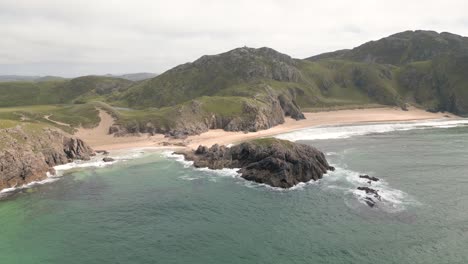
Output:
(99, 138)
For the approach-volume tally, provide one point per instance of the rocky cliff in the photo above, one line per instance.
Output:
(264, 111)
(278, 163)
(29, 151)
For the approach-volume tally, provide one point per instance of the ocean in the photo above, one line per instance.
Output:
(153, 207)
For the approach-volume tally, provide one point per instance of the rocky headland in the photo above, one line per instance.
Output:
(29, 151)
(275, 162)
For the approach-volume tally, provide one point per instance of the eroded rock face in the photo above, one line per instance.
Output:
(27, 154)
(191, 119)
(278, 163)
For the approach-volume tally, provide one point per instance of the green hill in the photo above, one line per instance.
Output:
(403, 48)
(77, 90)
(249, 89)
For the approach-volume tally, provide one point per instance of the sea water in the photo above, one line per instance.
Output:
(153, 207)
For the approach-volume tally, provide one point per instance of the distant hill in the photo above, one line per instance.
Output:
(134, 76)
(60, 91)
(403, 48)
(23, 78)
(430, 67)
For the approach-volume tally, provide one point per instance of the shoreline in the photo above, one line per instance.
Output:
(123, 146)
(99, 139)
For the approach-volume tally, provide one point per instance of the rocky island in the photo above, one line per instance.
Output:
(278, 163)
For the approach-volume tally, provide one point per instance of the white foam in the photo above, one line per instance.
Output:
(347, 181)
(336, 132)
(225, 172)
(95, 162)
(6, 191)
(343, 180)
(178, 157)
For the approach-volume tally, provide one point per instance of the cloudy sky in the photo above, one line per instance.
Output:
(72, 38)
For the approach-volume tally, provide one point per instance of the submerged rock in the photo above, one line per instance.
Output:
(278, 163)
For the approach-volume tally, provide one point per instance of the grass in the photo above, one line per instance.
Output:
(267, 142)
(82, 89)
(84, 115)
(224, 106)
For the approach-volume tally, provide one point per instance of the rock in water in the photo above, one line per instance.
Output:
(370, 192)
(370, 178)
(108, 159)
(278, 163)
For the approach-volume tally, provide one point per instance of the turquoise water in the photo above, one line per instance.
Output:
(156, 210)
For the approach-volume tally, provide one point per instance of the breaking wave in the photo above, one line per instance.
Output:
(60, 170)
(346, 131)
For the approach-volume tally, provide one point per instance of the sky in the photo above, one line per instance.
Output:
(73, 38)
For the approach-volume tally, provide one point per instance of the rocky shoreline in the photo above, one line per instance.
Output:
(275, 162)
(28, 153)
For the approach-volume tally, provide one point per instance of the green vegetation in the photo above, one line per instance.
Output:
(266, 142)
(83, 115)
(244, 85)
(78, 90)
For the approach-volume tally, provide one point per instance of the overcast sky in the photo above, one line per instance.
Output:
(80, 37)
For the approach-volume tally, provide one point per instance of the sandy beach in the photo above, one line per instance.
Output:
(99, 138)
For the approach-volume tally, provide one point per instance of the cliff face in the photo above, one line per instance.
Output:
(28, 152)
(231, 114)
(275, 162)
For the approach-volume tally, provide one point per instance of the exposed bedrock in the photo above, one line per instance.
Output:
(27, 154)
(278, 163)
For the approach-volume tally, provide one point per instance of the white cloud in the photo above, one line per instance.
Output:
(97, 36)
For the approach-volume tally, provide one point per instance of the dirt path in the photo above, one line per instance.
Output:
(47, 117)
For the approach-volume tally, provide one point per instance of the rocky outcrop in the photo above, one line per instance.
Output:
(278, 163)
(371, 193)
(370, 178)
(28, 152)
(264, 111)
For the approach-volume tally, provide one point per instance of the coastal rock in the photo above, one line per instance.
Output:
(28, 152)
(370, 178)
(278, 163)
(372, 193)
(108, 159)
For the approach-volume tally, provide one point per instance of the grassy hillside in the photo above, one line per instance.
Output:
(247, 72)
(403, 48)
(248, 89)
(76, 115)
(78, 90)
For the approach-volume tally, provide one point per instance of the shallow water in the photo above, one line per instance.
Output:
(156, 209)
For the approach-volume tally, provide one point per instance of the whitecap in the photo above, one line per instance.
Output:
(347, 181)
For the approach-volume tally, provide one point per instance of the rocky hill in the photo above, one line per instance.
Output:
(403, 48)
(248, 89)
